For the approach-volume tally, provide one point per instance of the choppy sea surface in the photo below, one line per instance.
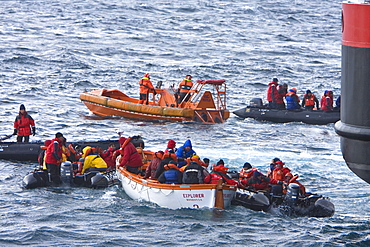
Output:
(51, 51)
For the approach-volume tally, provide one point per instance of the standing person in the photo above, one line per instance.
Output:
(272, 93)
(53, 159)
(184, 87)
(23, 124)
(292, 100)
(309, 101)
(131, 159)
(282, 91)
(327, 101)
(146, 87)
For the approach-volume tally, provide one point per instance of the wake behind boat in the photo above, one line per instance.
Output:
(260, 112)
(201, 105)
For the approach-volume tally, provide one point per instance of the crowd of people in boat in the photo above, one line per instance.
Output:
(172, 166)
(280, 97)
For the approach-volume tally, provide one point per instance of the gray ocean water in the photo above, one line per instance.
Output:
(51, 51)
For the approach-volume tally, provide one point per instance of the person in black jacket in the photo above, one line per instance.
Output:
(193, 174)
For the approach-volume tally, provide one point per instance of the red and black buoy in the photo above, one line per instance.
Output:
(354, 126)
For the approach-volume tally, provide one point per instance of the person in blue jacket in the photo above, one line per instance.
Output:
(292, 100)
(172, 175)
(185, 151)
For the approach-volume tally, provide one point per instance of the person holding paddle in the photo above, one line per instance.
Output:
(23, 125)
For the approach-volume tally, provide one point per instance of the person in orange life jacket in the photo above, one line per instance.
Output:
(107, 156)
(170, 156)
(184, 87)
(171, 145)
(309, 101)
(272, 93)
(74, 152)
(171, 175)
(146, 87)
(42, 155)
(280, 165)
(193, 174)
(219, 173)
(272, 167)
(302, 189)
(258, 182)
(53, 159)
(278, 172)
(131, 158)
(247, 171)
(184, 152)
(23, 125)
(154, 164)
(282, 91)
(327, 101)
(292, 100)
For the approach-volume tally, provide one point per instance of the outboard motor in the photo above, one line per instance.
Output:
(292, 194)
(256, 102)
(99, 181)
(66, 172)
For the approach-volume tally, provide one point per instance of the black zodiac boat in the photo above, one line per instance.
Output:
(290, 204)
(21, 151)
(261, 112)
(96, 180)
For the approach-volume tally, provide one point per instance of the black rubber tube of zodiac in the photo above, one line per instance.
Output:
(354, 126)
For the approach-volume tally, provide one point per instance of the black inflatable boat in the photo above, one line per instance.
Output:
(21, 151)
(261, 112)
(290, 204)
(96, 180)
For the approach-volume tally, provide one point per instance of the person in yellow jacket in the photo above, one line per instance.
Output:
(93, 162)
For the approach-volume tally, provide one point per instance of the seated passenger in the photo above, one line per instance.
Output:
(172, 175)
(219, 173)
(280, 171)
(193, 174)
(153, 166)
(327, 101)
(186, 150)
(272, 167)
(93, 162)
(107, 155)
(247, 171)
(171, 146)
(258, 182)
(292, 100)
(165, 160)
(309, 101)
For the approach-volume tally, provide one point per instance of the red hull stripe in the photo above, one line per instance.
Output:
(356, 25)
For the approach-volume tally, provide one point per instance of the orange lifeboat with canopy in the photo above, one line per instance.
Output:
(206, 104)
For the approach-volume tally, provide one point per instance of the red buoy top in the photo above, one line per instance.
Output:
(356, 25)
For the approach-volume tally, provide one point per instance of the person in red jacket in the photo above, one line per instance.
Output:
(130, 158)
(154, 164)
(146, 87)
(219, 173)
(107, 156)
(272, 93)
(23, 125)
(327, 101)
(258, 182)
(53, 159)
